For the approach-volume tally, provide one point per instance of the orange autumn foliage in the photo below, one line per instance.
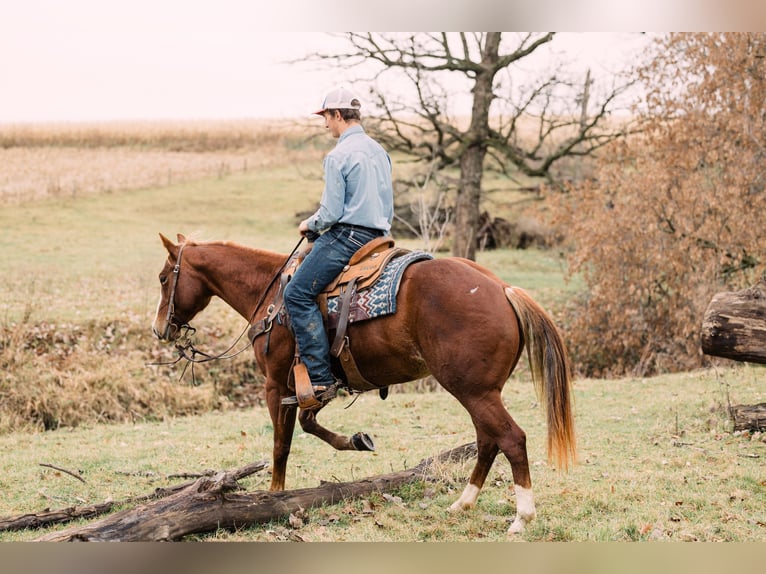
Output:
(675, 213)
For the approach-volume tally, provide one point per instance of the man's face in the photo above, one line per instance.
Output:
(334, 123)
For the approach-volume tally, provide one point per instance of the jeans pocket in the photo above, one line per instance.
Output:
(331, 237)
(353, 240)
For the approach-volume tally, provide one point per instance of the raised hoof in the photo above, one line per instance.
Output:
(362, 441)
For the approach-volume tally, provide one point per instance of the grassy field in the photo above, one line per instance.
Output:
(84, 257)
(657, 458)
(657, 462)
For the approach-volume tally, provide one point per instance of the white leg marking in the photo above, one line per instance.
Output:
(525, 509)
(467, 499)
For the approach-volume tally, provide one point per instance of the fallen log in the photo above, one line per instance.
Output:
(62, 515)
(749, 417)
(51, 517)
(210, 504)
(734, 325)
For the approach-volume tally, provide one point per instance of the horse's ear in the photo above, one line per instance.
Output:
(169, 245)
(181, 238)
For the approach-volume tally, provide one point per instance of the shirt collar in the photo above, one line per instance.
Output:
(355, 129)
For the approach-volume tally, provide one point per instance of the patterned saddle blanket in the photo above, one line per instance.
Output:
(379, 299)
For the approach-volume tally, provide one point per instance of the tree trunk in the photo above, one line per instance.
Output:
(210, 504)
(468, 202)
(734, 325)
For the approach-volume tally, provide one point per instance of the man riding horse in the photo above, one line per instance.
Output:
(454, 320)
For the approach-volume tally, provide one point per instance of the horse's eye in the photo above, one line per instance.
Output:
(163, 279)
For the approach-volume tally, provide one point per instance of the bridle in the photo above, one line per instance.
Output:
(172, 298)
(184, 344)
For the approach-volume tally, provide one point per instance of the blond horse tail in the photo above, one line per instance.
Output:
(551, 374)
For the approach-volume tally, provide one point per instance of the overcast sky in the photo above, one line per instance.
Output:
(81, 60)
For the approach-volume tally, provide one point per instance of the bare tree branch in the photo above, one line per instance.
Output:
(419, 123)
(47, 517)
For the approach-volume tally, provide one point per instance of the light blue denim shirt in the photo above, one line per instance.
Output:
(358, 188)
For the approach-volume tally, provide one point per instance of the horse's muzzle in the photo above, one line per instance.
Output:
(165, 334)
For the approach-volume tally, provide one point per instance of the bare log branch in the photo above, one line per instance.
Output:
(749, 417)
(210, 504)
(51, 517)
(734, 325)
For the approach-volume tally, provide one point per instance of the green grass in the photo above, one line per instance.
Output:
(539, 272)
(90, 256)
(656, 462)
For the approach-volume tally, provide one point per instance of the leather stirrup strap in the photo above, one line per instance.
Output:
(355, 378)
(344, 310)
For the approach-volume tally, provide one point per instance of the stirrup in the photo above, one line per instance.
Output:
(321, 395)
(326, 393)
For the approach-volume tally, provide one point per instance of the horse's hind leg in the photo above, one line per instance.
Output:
(487, 450)
(496, 430)
(359, 441)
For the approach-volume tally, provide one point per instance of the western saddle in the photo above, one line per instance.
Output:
(363, 270)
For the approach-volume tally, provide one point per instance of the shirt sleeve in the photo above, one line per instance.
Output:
(333, 197)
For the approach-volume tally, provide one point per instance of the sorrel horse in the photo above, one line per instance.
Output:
(455, 320)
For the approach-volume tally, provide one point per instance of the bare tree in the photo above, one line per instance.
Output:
(514, 128)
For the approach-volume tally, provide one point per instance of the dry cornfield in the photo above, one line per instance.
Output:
(69, 160)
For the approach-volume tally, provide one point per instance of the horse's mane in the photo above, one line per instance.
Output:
(194, 240)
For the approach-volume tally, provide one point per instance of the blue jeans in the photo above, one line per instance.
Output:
(330, 254)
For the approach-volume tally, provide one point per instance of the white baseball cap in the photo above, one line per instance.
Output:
(339, 99)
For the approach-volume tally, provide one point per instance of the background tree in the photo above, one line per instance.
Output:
(519, 124)
(676, 214)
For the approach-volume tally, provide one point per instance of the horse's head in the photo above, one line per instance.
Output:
(183, 292)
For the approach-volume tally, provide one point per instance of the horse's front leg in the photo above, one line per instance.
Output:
(283, 421)
(359, 441)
